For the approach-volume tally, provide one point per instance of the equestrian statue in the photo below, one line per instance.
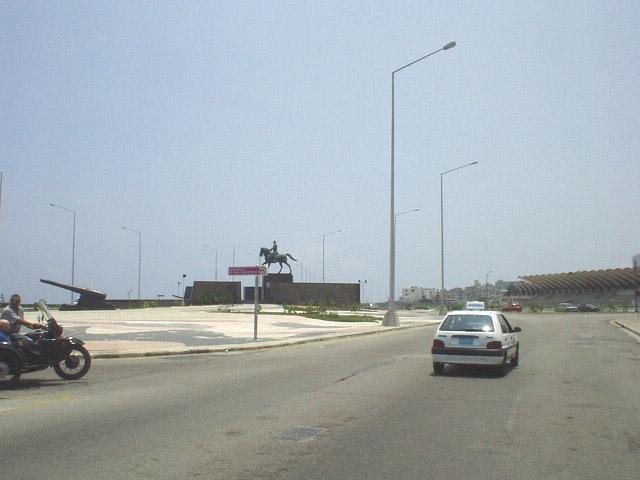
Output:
(271, 255)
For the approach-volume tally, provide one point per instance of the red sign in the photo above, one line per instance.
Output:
(252, 270)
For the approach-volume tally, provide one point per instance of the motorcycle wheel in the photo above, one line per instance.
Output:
(14, 363)
(76, 365)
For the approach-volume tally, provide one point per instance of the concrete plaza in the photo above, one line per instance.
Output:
(199, 329)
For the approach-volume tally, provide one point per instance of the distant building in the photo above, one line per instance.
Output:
(418, 295)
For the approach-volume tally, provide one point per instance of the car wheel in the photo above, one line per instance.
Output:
(501, 370)
(438, 368)
(515, 360)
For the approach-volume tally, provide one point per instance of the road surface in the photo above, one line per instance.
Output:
(360, 408)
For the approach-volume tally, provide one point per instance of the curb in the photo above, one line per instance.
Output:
(249, 347)
(626, 327)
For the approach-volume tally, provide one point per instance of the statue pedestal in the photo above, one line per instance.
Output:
(273, 278)
(277, 278)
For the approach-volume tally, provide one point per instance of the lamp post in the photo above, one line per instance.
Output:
(391, 317)
(442, 309)
(215, 250)
(395, 222)
(139, 256)
(233, 259)
(323, 237)
(73, 245)
(486, 284)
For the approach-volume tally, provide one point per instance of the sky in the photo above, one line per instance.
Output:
(235, 123)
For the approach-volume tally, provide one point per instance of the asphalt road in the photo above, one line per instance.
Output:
(362, 408)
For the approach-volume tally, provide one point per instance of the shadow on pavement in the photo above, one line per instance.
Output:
(473, 371)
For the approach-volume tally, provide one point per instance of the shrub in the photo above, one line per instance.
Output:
(289, 308)
(535, 307)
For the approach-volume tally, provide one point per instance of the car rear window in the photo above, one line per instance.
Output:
(467, 323)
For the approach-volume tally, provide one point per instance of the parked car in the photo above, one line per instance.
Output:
(587, 307)
(514, 307)
(566, 307)
(475, 338)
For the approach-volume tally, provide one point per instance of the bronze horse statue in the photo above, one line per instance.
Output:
(270, 257)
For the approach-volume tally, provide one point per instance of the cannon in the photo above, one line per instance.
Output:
(88, 300)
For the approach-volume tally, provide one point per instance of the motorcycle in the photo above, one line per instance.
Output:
(49, 348)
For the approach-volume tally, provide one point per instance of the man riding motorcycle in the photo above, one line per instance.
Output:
(14, 314)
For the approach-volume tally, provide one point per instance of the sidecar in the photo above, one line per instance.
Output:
(12, 362)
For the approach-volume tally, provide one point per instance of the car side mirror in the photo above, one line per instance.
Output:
(517, 329)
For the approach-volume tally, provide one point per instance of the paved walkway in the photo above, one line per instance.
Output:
(630, 322)
(182, 330)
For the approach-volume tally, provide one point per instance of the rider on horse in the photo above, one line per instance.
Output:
(272, 256)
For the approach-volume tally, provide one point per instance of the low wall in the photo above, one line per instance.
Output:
(208, 293)
(344, 294)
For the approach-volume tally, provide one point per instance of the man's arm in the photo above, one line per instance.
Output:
(32, 326)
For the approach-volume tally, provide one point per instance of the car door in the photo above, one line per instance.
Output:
(509, 336)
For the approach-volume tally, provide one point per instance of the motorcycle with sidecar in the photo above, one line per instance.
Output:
(48, 348)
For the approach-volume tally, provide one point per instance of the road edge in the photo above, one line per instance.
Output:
(627, 327)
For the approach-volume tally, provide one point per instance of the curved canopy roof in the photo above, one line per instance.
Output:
(593, 280)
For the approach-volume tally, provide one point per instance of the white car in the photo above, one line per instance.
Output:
(475, 338)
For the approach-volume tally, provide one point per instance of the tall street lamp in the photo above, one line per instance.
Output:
(324, 235)
(395, 222)
(233, 259)
(73, 245)
(139, 256)
(215, 250)
(442, 309)
(391, 317)
(486, 284)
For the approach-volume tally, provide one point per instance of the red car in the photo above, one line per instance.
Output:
(514, 307)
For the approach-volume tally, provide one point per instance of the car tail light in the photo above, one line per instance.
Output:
(494, 345)
(438, 343)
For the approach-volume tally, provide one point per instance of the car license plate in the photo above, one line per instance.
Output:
(466, 340)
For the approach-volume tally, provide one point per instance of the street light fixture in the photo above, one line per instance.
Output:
(442, 309)
(139, 256)
(391, 317)
(73, 245)
(323, 237)
(215, 250)
(402, 213)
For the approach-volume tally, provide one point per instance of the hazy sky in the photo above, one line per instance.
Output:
(243, 122)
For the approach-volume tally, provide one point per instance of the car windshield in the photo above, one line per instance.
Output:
(467, 323)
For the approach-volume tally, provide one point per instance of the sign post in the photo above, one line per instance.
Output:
(258, 271)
